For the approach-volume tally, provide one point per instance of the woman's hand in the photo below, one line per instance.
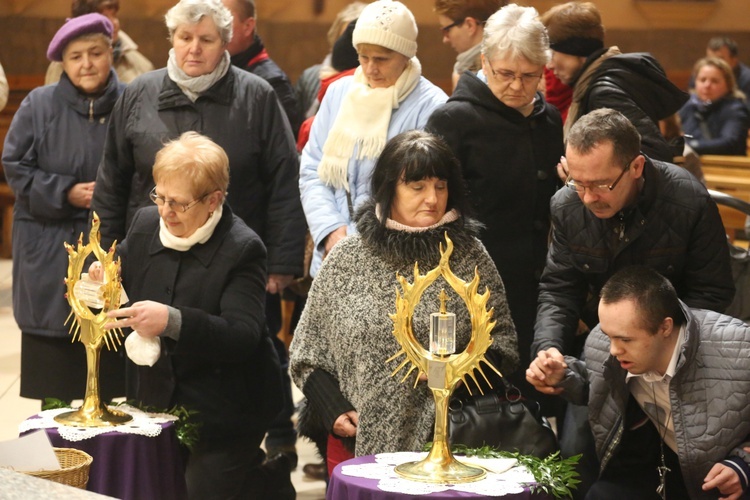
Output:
(346, 424)
(333, 238)
(148, 318)
(80, 194)
(277, 282)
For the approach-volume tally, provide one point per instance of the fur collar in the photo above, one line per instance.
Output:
(402, 249)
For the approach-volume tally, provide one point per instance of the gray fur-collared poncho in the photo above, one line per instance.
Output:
(345, 330)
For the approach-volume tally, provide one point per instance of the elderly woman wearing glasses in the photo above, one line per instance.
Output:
(196, 274)
(509, 141)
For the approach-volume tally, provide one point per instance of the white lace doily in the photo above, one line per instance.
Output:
(144, 424)
(509, 482)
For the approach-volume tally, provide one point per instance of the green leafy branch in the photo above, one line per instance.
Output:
(187, 430)
(553, 475)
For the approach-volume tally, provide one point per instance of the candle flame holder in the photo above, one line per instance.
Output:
(444, 370)
(88, 328)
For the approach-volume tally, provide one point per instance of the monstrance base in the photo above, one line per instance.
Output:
(453, 472)
(99, 417)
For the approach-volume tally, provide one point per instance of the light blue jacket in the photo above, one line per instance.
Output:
(326, 208)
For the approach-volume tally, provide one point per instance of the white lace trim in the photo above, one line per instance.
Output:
(144, 424)
(509, 480)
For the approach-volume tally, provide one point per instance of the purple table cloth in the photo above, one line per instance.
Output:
(132, 466)
(342, 487)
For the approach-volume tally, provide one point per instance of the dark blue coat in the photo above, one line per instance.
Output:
(252, 60)
(55, 140)
(726, 122)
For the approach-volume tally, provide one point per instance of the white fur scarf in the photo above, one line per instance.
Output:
(362, 123)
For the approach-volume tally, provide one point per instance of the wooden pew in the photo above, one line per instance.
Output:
(729, 175)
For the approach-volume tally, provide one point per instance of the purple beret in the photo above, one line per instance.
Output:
(75, 27)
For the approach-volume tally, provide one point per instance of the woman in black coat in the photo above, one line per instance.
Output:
(716, 116)
(196, 276)
(509, 141)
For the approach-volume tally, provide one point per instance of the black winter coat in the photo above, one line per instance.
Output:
(718, 128)
(242, 115)
(674, 228)
(252, 60)
(219, 288)
(509, 163)
(635, 85)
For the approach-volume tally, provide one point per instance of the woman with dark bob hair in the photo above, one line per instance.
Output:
(344, 335)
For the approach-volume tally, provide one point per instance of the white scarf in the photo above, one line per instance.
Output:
(194, 86)
(362, 123)
(201, 235)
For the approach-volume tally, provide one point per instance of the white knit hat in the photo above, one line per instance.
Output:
(387, 23)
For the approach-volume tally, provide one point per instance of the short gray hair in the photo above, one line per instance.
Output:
(606, 125)
(192, 11)
(515, 31)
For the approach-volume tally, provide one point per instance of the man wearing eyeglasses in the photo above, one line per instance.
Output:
(634, 84)
(462, 26)
(622, 208)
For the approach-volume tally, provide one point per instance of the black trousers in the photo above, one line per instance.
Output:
(632, 473)
(230, 470)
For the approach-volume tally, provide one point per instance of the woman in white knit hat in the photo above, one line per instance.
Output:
(386, 95)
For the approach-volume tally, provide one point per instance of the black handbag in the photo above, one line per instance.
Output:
(508, 422)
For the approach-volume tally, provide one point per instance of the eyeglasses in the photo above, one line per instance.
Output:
(447, 29)
(602, 188)
(174, 205)
(508, 77)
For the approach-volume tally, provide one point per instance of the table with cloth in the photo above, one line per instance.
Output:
(372, 477)
(135, 460)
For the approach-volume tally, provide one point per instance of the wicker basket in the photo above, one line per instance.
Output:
(74, 468)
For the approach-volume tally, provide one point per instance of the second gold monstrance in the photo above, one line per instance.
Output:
(444, 369)
(89, 328)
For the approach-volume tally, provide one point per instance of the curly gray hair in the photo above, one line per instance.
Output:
(192, 11)
(515, 31)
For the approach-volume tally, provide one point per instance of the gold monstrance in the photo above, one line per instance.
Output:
(89, 327)
(443, 367)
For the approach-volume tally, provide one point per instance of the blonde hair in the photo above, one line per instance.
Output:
(194, 157)
(726, 72)
(346, 15)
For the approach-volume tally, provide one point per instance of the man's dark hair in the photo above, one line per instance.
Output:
(81, 7)
(653, 294)
(716, 43)
(246, 8)
(606, 125)
(458, 10)
(413, 156)
(573, 20)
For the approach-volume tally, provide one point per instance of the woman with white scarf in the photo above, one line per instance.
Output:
(196, 275)
(386, 95)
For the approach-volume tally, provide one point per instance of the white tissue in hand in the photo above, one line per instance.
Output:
(144, 351)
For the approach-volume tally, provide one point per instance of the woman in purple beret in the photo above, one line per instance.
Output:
(51, 155)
